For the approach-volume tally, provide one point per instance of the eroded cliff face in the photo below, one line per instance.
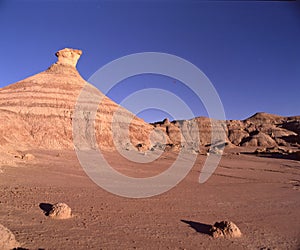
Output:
(195, 134)
(39, 113)
(260, 130)
(265, 130)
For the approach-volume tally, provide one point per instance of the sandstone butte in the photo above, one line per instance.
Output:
(38, 113)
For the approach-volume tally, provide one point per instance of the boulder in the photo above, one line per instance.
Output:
(28, 157)
(237, 135)
(7, 239)
(259, 139)
(60, 211)
(225, 229)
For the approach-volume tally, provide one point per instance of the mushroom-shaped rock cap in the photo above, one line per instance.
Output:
(68, 56)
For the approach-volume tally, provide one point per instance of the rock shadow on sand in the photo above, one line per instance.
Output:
(46, 207)
(199, 227)
(277, 155)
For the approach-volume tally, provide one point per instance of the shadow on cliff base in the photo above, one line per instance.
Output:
(278, 155)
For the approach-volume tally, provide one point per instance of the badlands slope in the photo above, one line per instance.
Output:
(37, 113)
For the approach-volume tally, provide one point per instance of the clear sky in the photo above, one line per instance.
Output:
(250, 50)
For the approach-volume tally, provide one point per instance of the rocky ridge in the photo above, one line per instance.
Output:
(38, 113)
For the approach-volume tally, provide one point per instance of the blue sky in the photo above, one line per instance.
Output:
(250, 50)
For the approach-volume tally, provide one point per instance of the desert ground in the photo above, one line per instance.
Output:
(259, 194)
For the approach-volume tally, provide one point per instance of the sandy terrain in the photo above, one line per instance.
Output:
(260, 195)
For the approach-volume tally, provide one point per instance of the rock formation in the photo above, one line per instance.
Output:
(261, 130)
(68, 56)
(38, 112)
(265, 130)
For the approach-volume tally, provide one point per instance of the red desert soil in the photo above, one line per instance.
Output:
(260, 195)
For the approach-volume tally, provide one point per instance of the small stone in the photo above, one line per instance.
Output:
(215, 151)
(225, 229)
(28, 157)
(60, 211)
(260, 150)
